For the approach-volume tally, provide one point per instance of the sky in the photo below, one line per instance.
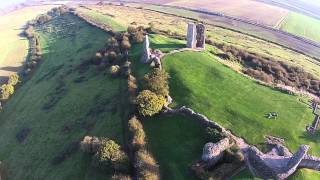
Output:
(6, 3)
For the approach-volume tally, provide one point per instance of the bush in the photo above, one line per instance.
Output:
(157, 82)
(114, 70)
(6, 91)
(90, 144)
(214, 134)
(13, 79)
(149, 103)
(147, 168)
(112, 56)
(135, 127)
(110, 155)
(125, 44)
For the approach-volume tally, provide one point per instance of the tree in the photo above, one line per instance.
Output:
(125, 44)
(6, 91)
(135, 127)
(147, 168)
(112, 56)
(113, 43)
(114, 70)
(110, 155)
(139, 37)
(149, 103)
(13, 79)
(157, 82)
(131, 30)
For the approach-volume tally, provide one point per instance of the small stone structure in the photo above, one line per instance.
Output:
(312, 129)
(146, 50)
(213, 152)
(196, 36)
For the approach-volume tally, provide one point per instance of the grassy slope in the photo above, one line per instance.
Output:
(302, 25)
(236, 102)
(90, 107)
(176, 142)
(161, 147)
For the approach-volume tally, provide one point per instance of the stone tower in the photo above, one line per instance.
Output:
(146, 50)
(196, 36)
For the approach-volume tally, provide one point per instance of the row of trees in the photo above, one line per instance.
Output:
(145, 165)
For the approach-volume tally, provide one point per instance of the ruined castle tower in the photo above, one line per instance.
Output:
(196, 36)
(146, 50)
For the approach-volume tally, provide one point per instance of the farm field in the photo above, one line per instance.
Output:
(64, 100)
(302, 25)
(236, 102)
(178, 25)
(14, 47)
(240, 28)
(263, 13)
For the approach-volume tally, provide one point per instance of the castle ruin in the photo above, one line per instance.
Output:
(196, 36)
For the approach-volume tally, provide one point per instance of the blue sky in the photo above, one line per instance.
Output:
(5, 3)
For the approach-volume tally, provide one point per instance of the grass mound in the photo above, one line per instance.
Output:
(58, 109)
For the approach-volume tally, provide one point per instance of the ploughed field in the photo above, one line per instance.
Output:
(199, 81)
(65, 99)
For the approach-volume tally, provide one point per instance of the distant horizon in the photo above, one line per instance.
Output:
(6, 4)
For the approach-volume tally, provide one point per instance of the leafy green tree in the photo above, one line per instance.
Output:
(149, 103)
(110, 155)
(157, 82)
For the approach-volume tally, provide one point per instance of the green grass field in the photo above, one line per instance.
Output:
(236, 102)
(62, 103)
(301, 25)
(176, 142)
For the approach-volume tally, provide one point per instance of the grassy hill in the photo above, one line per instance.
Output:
(65, 99)
(302, 25)
(236, 102)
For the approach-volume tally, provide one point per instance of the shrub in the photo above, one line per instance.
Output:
(29, 31)
(112, 56)
(110, 155)
(6, 91)
(90, 144)
(114, 70)
(131, 30)
(149, 103)
(125, 44)
(121, 177)
(113, 43)
(214, 134)
(13, 79)
(138, 139)
(139, 37)
(147, 168)
(157, 82)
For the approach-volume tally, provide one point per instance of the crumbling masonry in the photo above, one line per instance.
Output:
(196, 36)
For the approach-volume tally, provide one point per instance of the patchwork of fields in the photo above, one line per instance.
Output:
(14, 47)
(302, 25)
(65, 100)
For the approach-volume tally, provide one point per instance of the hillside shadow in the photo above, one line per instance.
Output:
(11, 68)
